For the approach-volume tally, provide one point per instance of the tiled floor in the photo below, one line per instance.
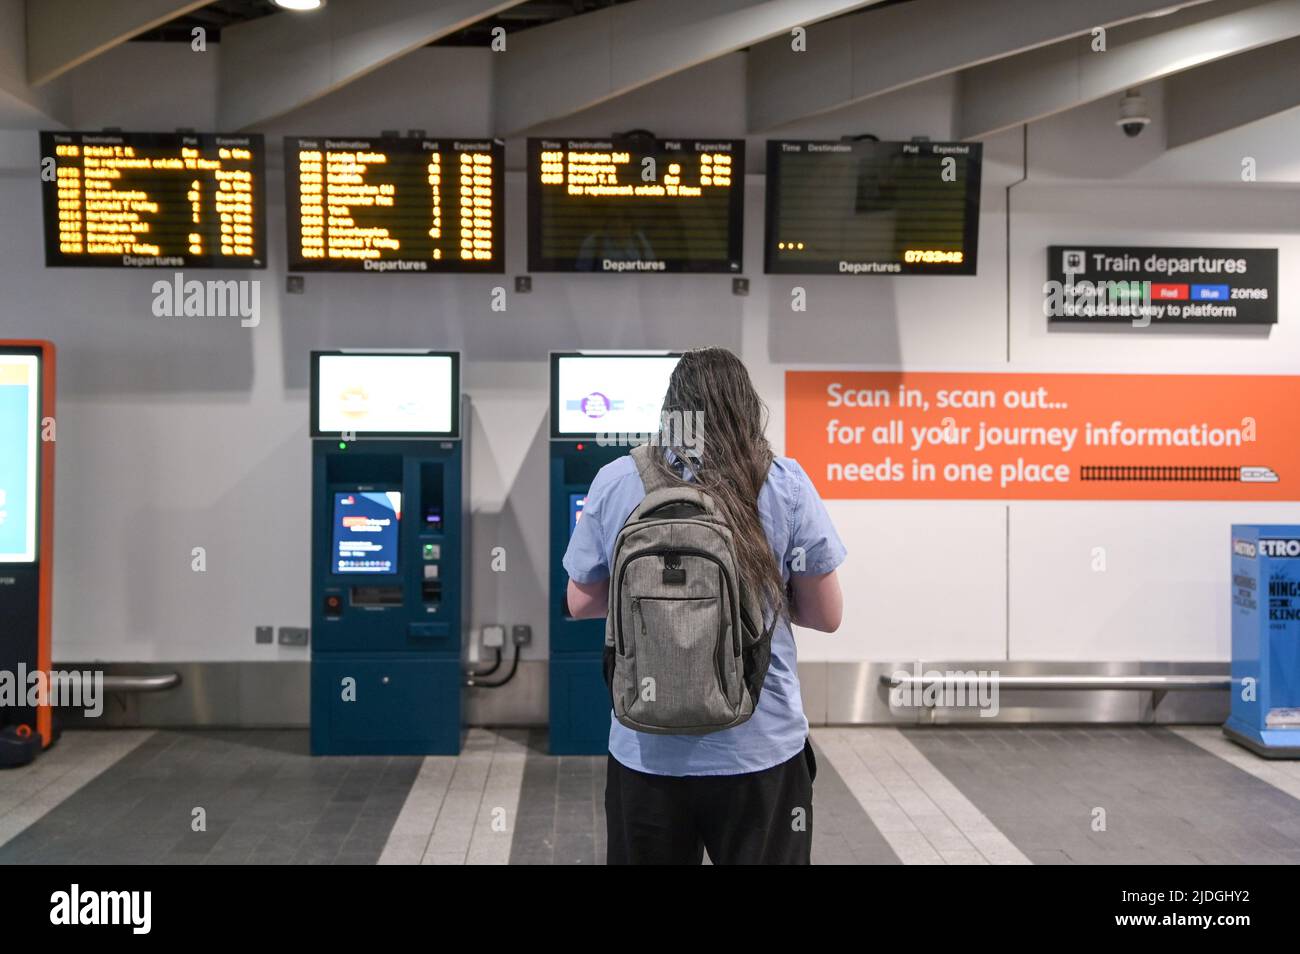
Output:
(951, 795)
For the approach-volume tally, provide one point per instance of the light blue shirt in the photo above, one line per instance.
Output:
(800, 530)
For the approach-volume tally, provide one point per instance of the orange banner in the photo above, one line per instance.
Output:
(996, 436)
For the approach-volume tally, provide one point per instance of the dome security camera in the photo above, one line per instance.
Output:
(1133, 116)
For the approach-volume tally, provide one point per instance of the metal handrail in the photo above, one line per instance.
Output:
(155, 682)
(1068, 682)
(114, 682)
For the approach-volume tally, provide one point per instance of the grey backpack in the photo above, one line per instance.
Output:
(686, 651)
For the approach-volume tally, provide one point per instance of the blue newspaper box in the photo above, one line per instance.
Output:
(1265, 714)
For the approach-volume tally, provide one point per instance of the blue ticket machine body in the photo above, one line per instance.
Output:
(389, 571)
(1265, 715)
(600, 403)
(579, 699)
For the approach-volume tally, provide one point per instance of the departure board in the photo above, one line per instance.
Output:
(395, 206)
(872, 208)
(153, 200)
(635, 205)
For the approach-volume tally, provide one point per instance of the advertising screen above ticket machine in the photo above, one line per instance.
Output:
(384, 395)
(609, 395)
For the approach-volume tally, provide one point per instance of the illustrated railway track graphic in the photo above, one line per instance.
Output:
(1176, 473)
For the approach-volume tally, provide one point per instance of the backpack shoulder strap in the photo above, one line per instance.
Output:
(651, 476)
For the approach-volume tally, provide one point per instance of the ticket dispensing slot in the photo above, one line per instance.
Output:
(370, 596)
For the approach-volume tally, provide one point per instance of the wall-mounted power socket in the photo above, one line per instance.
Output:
(522, 634)
(264, 634)
(493, 636)
(293, 635)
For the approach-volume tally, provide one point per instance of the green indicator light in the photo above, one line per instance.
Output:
(343, 445)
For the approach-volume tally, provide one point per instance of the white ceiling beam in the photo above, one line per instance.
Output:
(62, 34)
(1232, 92)
(876, 52)
(554, 71)
(274, 65)
(1055, 78)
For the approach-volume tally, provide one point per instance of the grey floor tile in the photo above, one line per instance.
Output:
(1166, 801)
(842, 832)
(267, 801)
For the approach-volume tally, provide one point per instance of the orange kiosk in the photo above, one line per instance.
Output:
(26, 547)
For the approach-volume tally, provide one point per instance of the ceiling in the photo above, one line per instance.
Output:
(1013, 62)
(216, 16)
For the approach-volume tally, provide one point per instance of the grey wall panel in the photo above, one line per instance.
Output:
(523, 702)
(814, 686)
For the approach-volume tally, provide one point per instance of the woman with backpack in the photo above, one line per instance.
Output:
(700, 553)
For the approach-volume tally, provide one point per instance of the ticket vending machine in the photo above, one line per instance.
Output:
(390, 573)
(26, 541)
(600, 403)
(1265, 714)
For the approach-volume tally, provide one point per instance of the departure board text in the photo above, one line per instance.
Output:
(153, 200)
(635, 205)
(394, 205)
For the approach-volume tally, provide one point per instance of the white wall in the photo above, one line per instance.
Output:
(181, 434)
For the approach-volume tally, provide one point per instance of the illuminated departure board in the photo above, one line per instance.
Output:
(153, 200)
(394, 206)
(635, 205)
(872, 208)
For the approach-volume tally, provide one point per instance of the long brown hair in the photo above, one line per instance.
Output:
(729, 456)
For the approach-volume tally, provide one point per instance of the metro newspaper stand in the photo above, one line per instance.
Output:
(390, 568)
(1265, 715)
(595, 396)
(26, 541)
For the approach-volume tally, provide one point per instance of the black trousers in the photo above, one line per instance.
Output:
(758, 818)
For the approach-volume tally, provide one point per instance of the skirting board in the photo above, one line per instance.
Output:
(276, 694)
